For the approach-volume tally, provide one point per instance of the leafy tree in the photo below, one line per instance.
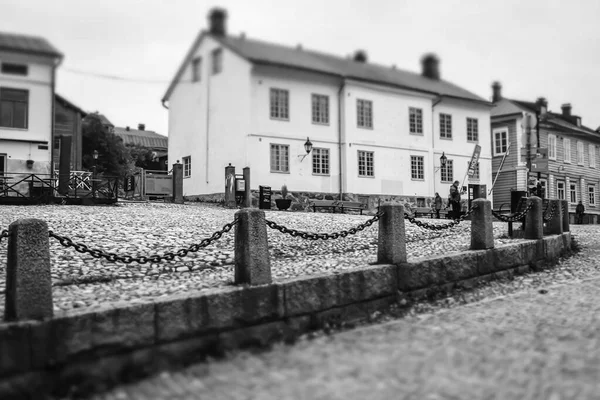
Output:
(143, 157)
(113, 156)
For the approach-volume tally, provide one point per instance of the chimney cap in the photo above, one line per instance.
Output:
(360, 56)
(430, 63)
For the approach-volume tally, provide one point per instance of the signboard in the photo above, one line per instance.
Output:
(240, 185)
(129, 184)
(528, 125)
(539, 162)
(159, 184)
(474, 160)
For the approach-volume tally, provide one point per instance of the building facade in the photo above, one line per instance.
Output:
(375, 131)
(67, 123)
(27, 75)
(573, 171)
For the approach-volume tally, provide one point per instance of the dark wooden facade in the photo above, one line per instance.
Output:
(67, 122)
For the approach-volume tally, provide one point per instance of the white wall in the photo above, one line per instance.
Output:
(38, 82)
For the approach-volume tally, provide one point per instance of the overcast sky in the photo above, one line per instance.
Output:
(534, 48)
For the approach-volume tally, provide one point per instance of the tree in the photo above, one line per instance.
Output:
(114, 158)
(143, 157)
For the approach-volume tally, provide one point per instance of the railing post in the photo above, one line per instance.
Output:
(391, 247)
(482, 228)
(247, 192)
(534, 223)
(252, 264)
(555, 225)
(28, 277)
(565, 216)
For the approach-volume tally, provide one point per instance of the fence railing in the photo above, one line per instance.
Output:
(29, 287)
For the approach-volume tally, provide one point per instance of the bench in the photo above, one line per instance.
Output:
(323, 204)
(351, 205)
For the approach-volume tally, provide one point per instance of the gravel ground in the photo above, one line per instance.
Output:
(81, 281)
(534, 337)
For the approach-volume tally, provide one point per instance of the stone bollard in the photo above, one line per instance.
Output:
(565, 215)
(391, 247)
(534, 223)
(252, 264)
(28, 277)
(555, 225)
(482, 228)
(178, 183)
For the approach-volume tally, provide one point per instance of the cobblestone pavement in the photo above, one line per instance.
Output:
(83, 282)
(535, 337)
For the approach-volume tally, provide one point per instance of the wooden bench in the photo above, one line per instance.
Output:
(351, 205)
(323, 204)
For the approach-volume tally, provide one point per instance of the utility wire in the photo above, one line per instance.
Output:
(117, 78)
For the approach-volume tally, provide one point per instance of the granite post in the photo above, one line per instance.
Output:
(252, 264)
(482, 228)
(230, 186)
(391, 247)
(247, 192)
(555, 225)
(534, 223)
(565, 216)
(28, 277)
(178, 183)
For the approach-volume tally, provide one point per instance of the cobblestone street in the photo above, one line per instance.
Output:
(534, 337)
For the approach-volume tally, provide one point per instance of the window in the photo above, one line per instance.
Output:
(592, 155)
(476, 173)
(560, 190)
(500, 141)
(472, 130)
(320, 160)
(320, 109)
(217, 61)
(579, 153)
(552, 147)
(567, 149)
(446, 126)
(573, 192)
(187, 166)
(196, 69)
(364, 111)
(280, 158)
(592, 195)
(365, 163)
(417, 167)
(543, 185)
(415, 120)
(56, 143)
(448, 171)
(14, 69)
(280, 104)
(14, 105)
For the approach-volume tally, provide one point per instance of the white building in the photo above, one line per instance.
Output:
(27, 76)
(376, 131)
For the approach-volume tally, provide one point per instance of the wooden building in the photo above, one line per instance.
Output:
(67, 123)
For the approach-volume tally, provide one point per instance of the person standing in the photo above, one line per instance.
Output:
(579, 210)
(455, 200)
(437, 205)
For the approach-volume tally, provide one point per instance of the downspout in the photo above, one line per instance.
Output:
(163, 104)
(207, 122)
(52, 110)
(340, 136)
(436, 101)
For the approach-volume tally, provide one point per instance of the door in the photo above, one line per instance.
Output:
(477, 192)
(2, 164)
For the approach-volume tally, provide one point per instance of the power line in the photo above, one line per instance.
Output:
(116, 77)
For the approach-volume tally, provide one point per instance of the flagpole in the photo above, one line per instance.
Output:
(500, 168)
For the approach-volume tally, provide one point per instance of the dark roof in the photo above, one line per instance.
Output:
(144, 138)
(27, 44)
(273, 54)
(68, 104)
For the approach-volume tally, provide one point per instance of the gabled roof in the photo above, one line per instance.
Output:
(68, 104)
(27, 44)
(144, 138)
(260, 52)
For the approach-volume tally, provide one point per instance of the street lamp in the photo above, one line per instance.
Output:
(307, 147)
(443, 160)
(95, 155)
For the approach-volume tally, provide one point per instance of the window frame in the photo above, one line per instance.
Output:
(552, 153)
(477, 174)
(5, 89)
(591, 195)
(366, 153)
(321, 157)
(364, 114)
(417, 163)
(23, 69)
(445, 126)
(187, 166)
(416, 114)
(444, 171)
(558, 190)
(580, 152)
(316, 105)
(571, 192)
(217, 61)
(280, 161)
(473, 126)
(274, 94)
(592, 155)
(567, 150)
(495, 132)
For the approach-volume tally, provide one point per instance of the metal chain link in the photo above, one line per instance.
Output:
(3, 234)
(323, 236)
(155, 258)
(548, 217)
(517, 217)
(436, 227)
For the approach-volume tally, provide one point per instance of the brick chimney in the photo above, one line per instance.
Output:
(127, 128)
(542, 105)
(566, 110)
(141, 127)
(217, 21)
(496, 92)
(360, 56)
(430, 66)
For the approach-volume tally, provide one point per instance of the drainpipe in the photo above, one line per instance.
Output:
(207, 122)
(163, 104)
(436, 101)
(52, 110)
(340, 136)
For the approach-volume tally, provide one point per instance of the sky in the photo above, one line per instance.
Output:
(534, 48)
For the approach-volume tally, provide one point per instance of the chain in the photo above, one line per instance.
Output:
(155, 258)
(513, 217)
(3, 234)
(435, 227)
(323, 236)
(551, 213)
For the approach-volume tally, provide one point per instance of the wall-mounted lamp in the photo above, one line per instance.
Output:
(443, 160)
(307, 147)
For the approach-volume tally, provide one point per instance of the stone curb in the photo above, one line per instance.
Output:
(99, 349)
